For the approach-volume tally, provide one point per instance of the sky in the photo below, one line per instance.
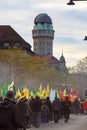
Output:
(69, 23)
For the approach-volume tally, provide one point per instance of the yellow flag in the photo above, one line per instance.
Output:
(44, 94)
(64, 93)
(10, 87)
(39, 91)
(48, 90)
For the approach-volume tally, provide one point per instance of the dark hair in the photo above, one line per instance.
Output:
(9, 94)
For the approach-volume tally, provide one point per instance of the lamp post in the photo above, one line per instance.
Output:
(85, 38)
(72, 3)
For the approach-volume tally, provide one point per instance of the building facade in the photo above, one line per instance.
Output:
(43, 35)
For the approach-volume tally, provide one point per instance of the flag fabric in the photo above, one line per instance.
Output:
(4, 90)
(34, 92)
(63, 94)
(56, 94)
(44, 94)
(48, 90)
(18, 93)
(25, 93)
(72, 96)
(10, 87)
(39, 91)
(52, 94)
(0, 91)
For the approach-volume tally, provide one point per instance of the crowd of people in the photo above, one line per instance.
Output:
(35, 111)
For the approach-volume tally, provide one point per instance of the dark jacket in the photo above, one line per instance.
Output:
(14, 123)
(44, 110)
(22, 110)
(36, 105)
(56, 105)
(48, 102)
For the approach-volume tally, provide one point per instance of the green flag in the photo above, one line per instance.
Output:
(56, 94)
(34, 92)
(4, 90)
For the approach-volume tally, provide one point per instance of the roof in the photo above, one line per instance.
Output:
(42, 18)
(50, 59)
(8, 34)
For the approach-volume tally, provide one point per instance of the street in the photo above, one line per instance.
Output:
(76, 122)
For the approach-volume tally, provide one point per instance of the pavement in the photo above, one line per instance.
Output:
(76, 122)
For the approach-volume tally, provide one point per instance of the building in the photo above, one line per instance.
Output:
(43, 35)
(10, 39)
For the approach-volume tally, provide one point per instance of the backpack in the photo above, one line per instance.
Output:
(5, 115)
(55, 105)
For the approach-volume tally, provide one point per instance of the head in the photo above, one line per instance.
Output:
(47, 98)
(10, 95)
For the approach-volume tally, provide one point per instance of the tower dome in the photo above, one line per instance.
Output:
(42, 18)
(43, 34)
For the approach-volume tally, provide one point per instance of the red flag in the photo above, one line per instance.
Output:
(63, 94)
(72, 96)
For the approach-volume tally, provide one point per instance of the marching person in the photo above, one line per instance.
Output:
(56, 109)
(66, 108)
(8, 113)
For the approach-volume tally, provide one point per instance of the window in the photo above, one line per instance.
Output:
(17, 44)
(6, 44)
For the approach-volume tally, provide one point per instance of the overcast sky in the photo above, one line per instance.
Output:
(69, 23)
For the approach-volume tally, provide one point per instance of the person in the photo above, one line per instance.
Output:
(9, 104)
(77, 106)
(36, 105)
(66, 108)
(56, 109)
(44, 112)
(24, 111)
(49, 104)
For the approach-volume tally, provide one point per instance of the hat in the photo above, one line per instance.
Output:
(9, 94)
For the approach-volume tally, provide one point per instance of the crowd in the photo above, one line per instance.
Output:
(25, 113)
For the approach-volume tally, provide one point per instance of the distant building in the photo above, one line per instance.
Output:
(43, 35)
(9, 38)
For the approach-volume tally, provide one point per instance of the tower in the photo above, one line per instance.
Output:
(62, 64)
(43, 35)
